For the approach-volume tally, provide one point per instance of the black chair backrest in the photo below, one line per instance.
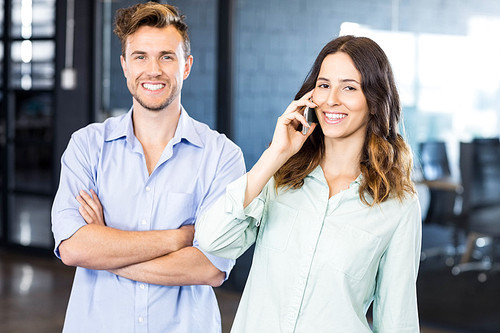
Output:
(434, 160)
(480, 169)
(435, 166)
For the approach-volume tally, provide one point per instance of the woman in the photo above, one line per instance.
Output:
(333, 213)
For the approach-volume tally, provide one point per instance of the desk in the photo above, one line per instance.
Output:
(447, 188)
(446, 184)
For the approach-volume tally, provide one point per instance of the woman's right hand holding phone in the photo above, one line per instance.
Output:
(287, 140)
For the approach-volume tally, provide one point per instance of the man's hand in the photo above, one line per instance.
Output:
(111, 253)
(92, 213)
(185, 236)
(188, 266)
(91, 208)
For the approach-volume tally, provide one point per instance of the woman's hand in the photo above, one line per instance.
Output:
(287, 140)
(91, 208)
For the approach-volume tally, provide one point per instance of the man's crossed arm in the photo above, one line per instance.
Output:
(164, 257)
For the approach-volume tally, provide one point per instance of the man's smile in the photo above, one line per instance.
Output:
(153, 86)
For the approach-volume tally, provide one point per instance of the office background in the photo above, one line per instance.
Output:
(60, 71)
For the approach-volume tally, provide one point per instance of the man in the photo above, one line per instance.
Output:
(155, 170)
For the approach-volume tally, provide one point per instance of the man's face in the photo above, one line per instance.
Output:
(155, 66)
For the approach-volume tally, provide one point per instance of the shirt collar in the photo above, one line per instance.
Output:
(123, 127)
(318, 174)
(185, 129)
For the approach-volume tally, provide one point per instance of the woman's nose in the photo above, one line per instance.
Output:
(332, 97)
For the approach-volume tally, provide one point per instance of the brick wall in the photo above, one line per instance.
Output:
(277, 42)
(199, 90)
(275, 45)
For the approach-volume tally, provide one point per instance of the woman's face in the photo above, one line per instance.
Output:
(342, 108)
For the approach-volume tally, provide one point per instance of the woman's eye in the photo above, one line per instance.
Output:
(323, 85)
(349, 88)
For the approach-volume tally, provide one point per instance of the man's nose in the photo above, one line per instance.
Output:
(154, 68)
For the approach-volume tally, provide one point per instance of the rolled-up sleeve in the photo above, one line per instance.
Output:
(228, 229)
(230, 166)
(395, 304)
(75, 175)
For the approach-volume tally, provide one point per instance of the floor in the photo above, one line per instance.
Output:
(469, 301)
(34, 291)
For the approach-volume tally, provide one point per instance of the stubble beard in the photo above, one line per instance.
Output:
(174, 92)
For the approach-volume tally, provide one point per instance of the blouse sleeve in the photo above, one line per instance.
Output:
(227, 229)
(395, 303)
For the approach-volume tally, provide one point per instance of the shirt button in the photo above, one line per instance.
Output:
(143, 222)
(140, 319)
(142, 286)
(148, 188)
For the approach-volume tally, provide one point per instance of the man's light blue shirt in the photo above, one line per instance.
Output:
(192, 173)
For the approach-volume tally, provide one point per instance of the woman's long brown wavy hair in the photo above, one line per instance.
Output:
(386, 159)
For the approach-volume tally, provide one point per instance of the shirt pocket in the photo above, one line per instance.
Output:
(276, 227)
(352, 250)
(180, 208)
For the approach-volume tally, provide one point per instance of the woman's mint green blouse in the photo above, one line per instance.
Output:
(319, 262)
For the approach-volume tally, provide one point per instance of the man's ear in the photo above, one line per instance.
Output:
(187, 66)
(123, 62)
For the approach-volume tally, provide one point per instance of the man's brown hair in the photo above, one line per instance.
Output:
(152, 14)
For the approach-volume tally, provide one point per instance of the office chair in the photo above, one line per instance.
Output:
(444, 195)
(480, 170)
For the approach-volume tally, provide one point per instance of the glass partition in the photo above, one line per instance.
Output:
(33, 64)
(28, 225)
(27, 120)
(33, 146)
(33, 19)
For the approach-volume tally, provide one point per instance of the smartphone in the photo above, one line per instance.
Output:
(310, 115)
